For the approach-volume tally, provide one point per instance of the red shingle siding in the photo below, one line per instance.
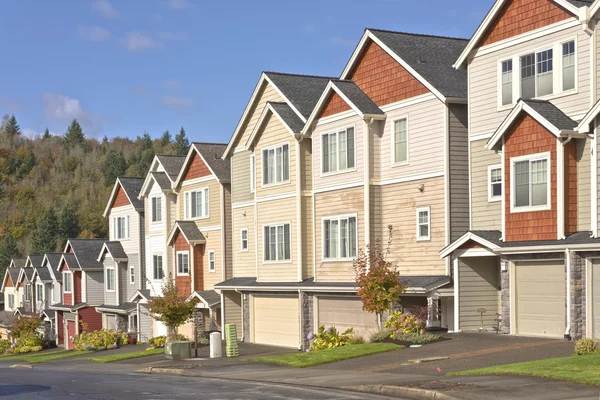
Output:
(525, 137)
(183, 283)
(520, 16)
(335, 105)
(571, 187)
(120, 199)
(68, 299)
(471, 245)
(77, 287)
(197, 168)
(199, 267)
(90, 317)
(9, 282)
(383, 79)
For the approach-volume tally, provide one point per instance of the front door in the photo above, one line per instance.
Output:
(70, 335)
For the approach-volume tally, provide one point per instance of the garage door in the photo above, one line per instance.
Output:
(70, 334)
(276, 320)
(540, 299)
(344, 313)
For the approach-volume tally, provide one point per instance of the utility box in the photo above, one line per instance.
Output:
(178, 350)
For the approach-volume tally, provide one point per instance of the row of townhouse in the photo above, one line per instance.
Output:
(481, 154)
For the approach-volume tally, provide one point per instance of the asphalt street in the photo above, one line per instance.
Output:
(40, 383)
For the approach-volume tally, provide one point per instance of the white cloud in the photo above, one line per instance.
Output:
(171, 84)
(340, 41)
(179, 4)
(139, 41)
(104, 8)
(32, 133)
(93, 33)
(176, 102)
(65, 108)
(172, 36)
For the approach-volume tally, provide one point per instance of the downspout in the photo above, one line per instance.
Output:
(367, 183)
(139, 322)
(299, 208)
(568, 265)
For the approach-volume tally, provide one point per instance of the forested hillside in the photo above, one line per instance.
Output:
(56, 187)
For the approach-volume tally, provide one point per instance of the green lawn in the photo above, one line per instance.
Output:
(578, 369)
(310, 359)
(36, 358)
(127, 356)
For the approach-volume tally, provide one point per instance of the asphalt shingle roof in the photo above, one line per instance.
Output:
(44, 273)
(19, 262)
(36, 260)
(53, 259)
(14, 274)
(123, 308)
(116, 250)
(581, 3)
(210, 296)
(28, 273)
(303, 91)
(71, 261)
(583, 237)
(552, 113)
(190, 230)
(212, 153)
(431, 57)
(358, 97)
(290, 118)
(86, 251)
(172, 164)
(133, 186)
(162, 180)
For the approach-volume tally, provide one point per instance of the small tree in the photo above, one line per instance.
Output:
(12, 128)
(171, 309)
(182, 144)
(74, 135)
(377, 279)
(46, 233)
(46, 134)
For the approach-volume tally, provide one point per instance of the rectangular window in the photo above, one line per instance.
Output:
(339, 238)
(183, 263)
(495, 183)
(211, 261)
(276, 165)
(196, 204)
(157, 264)
(27, 293)
(544, 72)
(252, 173)
(423, 223)
(244, 239)
(11, 301)
(338, 150)
(531, 178)
(110, 279)
(55, 293)
(507, 82)
(121, 227)
(39, 292)
(528, 76)
(156, 209)
(131, 275)
(277, 243)
(401, 141)
(67, 283)
(568, 65)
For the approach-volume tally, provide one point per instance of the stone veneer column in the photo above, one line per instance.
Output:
(307, 306)
(246, 316)
(505, 297)
(577, 296)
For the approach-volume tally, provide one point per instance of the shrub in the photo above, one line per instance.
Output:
(330, 338)
(416, 338)
(178, 337)
(98, 340)
(585, 346)
(4, 345)
(27, 349)
(29, 339)
(380, 336)
(25, 326)
(404, 322)
(356, 340)
(157, 341)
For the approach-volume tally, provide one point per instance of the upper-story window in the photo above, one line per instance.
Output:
(276, 164)
(156, 209)
(423, 223)
(110, 279)
(244, 239)
(340, 238)
(55, 293)
(507, 82)
(27, 294)
(131, 275)
(183, 263)
(121, 227)
(495, 183)
(252, 173)
(67, 282)
(277, 243)
(568, 65)
(537, 74)
(157, 267)
(211, 261)
(196, 204)
(338, 150)
(11, 301)
(39, 292)
(530, 177)
(400, 145)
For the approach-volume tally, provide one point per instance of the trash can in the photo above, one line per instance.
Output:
(216, 349)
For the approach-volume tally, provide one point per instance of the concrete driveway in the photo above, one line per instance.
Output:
(463, 351)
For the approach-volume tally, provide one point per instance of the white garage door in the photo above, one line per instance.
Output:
(596, 299)
(276, 320)
(540, 298)
(344, 313)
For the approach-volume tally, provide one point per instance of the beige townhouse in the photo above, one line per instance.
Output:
(530, 262)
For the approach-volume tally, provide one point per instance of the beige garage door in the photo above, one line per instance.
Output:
(344, 313)
(276, 320)
(540, 298)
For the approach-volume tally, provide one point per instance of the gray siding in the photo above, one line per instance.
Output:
(485, 215)
(110, 298)
(598, 177)
(459, 170)
(140, 282)
(233, 311)
(95, 288)
(145, 321)
(240, 177)
(479, 284)
(229, 236)
(126, 289)
(583, 184)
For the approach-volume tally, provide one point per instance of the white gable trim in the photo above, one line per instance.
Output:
(285, 99)
(176, 228)
(489, 18)
(113, 194)
(258, 126)
(6, 276)
(464, 239)
(584, 124)
(105, 250)
(188, 158)
(147, 185)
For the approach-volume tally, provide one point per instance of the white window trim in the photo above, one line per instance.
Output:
(116, 228)
(162, 257)
(576, 65)
(38, 292)
(131, 269)
(491, 197)
(393, 142)
(242, 240)
(177, 263)
(337, 217)
(129, 327)
(27, 292)
(428, 237)
(515, 85)
(530, 157)
(67, 277)
(187, 204)
(106, 280)
(152, 209)
(263, 243)
(253, 173)
(214, 267)
(337, 130)
(262, 163)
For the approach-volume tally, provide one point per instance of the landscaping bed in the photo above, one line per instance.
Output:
(407, 342)
(37, 358)
(127, 356)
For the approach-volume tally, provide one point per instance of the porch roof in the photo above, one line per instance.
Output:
(124, 308)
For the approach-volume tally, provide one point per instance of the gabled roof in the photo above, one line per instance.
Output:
(590, 116)
(43, 273)
(189, 230)
(124, 308)
(141, 294)
(162, 179)
(25, 273)
(569, 5)
(283, 112)
(53, 259)
(490, 239)
(86, 252)
(35, 260)
(544, 112)
(18, 262)
(208, 298)
(132, 188)
(13, 274)
(70, 260)
(300, 92)
(172, 164)
(115, 249)
(428, 58)
(208, 153)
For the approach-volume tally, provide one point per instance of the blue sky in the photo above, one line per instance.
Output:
(122, 67)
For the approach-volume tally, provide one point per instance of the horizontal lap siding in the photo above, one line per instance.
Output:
(244, 262)
(232, 302)
(459, 171)
(146, 323)
(331, 204)
(158, 226)
(155, 246)
(483, 77)
(228, 249)
(89, 316)
(127, 289)
(584, 191)
(76, 287)
(130, 244)
(398, 208)
(240, 177)
(478, 288)
(214, 202)
(265, 93)
(95, 287)
(571, 188)
(485, 215)
(110, 298)
(307, 238)
(183, 282)
(199, 267)
(213, 242)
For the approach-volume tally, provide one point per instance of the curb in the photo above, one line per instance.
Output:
(167, 371)
(22, 366)
(401, 391)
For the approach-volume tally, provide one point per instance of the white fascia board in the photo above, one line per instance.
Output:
(111, 198)
(285, 99)
(317, 109)
(258, 126)
(464, 239)
(584, 124)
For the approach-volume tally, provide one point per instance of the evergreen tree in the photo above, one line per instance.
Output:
(9, 249)
(46, 233)
(74, 135)
(166, 138)
(182, 144)
(12, 128)
(114, 166)
(68, 224)
(46, 134)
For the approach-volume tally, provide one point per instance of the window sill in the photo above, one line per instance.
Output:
(198, 218)
(400, 164)
(110, 291)
(244, 251)
(494, 199)
(212, 271)
(270, 185)
(338, 172)
(266, 262)
(184, 274)
(337, 260)
(516, 210)
(427, 239)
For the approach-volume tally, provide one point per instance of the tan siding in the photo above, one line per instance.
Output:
(240, 177)
(244, 262)
(228, 233)
(376, 211)
(307, 238)
(331, 204)
(350, 176)
(376, 130)
(459, 171)
(484, 214)
(426, 131)
(583, 184)
(483, 70)
(214, 198)
(306, 169)
(271, 213)
(233, 310)
(597, 33)
(399, 203)
(266, 93)
(213, 242)
(478, 288)
(274, 133)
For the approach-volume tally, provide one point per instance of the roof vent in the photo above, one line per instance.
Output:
(421, 61)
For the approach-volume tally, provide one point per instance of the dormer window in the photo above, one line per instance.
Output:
(67, 282)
